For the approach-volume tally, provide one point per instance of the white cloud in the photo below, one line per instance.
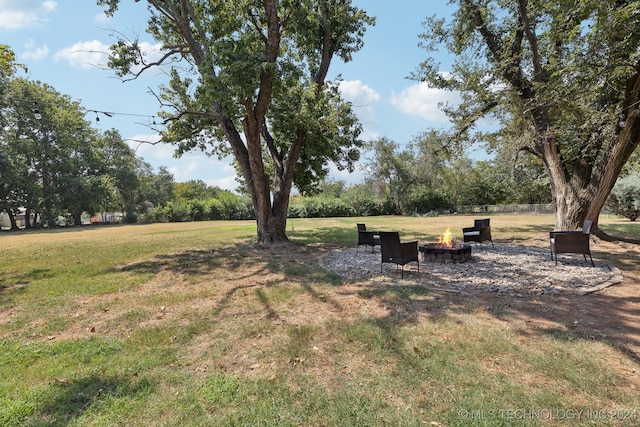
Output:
(34, 52)
(102, 19)
(350, 178)
(229, 183)
(363, 99)
(18, 14)
(422, 101)
(49, 6)
(85, 55)
(94, 53)
(359, 93)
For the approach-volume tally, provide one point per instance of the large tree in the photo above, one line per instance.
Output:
(260, 89)
(119, 161)
(50, 151)
(563, 79)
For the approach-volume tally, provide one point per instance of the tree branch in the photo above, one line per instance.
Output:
(271, 145)
(470, 121)
(158, 63)
(531, 37)
(327, 51)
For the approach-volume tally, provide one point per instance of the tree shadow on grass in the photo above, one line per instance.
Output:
(10, 285)
(339, 235)
(67, 400)
(246, 268)
(601, 316)
(192, 262)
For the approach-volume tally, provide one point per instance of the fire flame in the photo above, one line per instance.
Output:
(446, 239)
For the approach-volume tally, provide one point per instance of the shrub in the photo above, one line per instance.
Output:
(199, 210)
(320, 207)
(428, 202)
(624, 199)
(215, 209)
(177, 211)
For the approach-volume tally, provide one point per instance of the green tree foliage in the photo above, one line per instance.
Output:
(13, 172)
(624, 199)
(52, 162)
(8, 64)
(562, 78)
(193, 190)
(156, 189)
(118, 161)
(255, 86)
(50, 144)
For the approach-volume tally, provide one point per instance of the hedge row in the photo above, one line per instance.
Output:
(200, 210)
(324, 207)
(307, 207)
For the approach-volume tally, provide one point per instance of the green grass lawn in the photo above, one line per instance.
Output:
(191, 324)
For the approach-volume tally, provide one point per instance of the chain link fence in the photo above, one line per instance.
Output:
(532, 209)
(507, 209)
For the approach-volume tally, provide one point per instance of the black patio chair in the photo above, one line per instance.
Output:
(572, 242)
(396, 252)
(480, 232)
(367, 237)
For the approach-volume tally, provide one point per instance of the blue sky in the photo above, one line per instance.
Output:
(63, 43)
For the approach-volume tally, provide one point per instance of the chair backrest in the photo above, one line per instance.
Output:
(479, 223)
(586, 226)
(366, 238)
(390, 246)
(362, 227)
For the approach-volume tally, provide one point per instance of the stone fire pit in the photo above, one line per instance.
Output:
(445, 254)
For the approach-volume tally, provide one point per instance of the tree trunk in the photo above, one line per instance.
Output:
(271, 218)
(272, 227)
(27, 219)
(570, 211)
(581, 194)
(12, 220)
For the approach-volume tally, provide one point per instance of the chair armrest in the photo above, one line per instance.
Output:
(410, 245)
(574, 237)
(409, 250)
(553, 234)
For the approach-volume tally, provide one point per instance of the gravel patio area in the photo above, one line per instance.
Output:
(516, 270)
